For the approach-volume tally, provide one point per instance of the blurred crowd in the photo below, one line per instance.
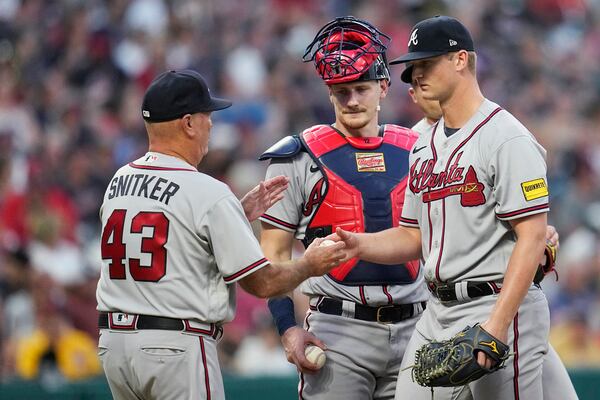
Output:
(72, 74)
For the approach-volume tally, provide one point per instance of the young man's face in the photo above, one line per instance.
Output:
(356, 103)
(431, 108)
(435, 77)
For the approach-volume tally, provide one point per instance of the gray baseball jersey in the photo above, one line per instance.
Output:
(168, 235)
(555, 378)
(294, 212)
(464, 189)
(422, 126)
(173, 242)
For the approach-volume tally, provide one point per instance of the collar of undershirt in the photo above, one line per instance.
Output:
(450, 131)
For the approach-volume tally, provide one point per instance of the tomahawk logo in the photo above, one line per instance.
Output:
(413, 38)
(314, 198)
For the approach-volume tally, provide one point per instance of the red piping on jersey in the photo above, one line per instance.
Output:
(430, 225)
(389, 296)
(308, 314)
(409, 221)
(205, 364)
(434, 154)
(516, 358)
(481, 124)
(132, 165)
(245, 270)
(361, 291)
(442, 239)
(433, 143)
(278, 221)
(523, 211)
(301, 388)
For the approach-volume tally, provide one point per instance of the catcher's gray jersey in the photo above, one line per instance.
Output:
(422, 126)
(464, 189)
(294, 212)
(173, 242)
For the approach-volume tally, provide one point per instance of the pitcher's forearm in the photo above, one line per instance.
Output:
(519, 274)
(392, 246)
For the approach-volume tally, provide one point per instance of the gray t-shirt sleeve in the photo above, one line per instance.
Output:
(411, 208)
(235, 248)
(286, 213)
(518, 169)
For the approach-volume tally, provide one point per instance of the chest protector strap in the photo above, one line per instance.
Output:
(365, 180)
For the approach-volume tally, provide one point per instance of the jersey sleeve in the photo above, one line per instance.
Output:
(410, 209)
(285, 214)
(519, 177)
(235, 248)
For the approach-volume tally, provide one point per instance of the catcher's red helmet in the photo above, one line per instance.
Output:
(349, 49)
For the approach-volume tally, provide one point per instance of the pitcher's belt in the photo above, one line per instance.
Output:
(462, 291)
(388, 314)
(130, 322)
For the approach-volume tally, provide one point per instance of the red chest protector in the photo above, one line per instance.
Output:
(365, 180)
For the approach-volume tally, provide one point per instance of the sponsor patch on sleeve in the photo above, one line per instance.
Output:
(370, 162)
(534, 189)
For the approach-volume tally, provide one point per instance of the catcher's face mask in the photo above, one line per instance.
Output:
(348, 49)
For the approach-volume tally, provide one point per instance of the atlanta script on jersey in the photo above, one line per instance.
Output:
(491, 171)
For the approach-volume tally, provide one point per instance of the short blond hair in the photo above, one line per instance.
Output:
(471, 61)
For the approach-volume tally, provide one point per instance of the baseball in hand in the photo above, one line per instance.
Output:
(327, 242)
(315, 354)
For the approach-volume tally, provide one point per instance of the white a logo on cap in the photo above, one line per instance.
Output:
(413, 38)
(452, 42)
(146, 113)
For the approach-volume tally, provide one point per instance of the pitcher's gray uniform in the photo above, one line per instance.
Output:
(361, 355)
(555, 380)
(462, 191)
(174, 242)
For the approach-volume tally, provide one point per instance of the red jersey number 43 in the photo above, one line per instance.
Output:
(115, 250)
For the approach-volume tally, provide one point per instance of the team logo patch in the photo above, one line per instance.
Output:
(122, 320)
(370, 162)
(413, 38)
(534, 189)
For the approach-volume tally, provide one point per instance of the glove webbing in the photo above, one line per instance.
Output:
(440, 362)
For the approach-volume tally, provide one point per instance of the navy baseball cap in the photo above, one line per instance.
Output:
(433, 37)
(173, 94)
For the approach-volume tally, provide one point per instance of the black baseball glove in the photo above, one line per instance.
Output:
(548, 266)
(454, 362)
